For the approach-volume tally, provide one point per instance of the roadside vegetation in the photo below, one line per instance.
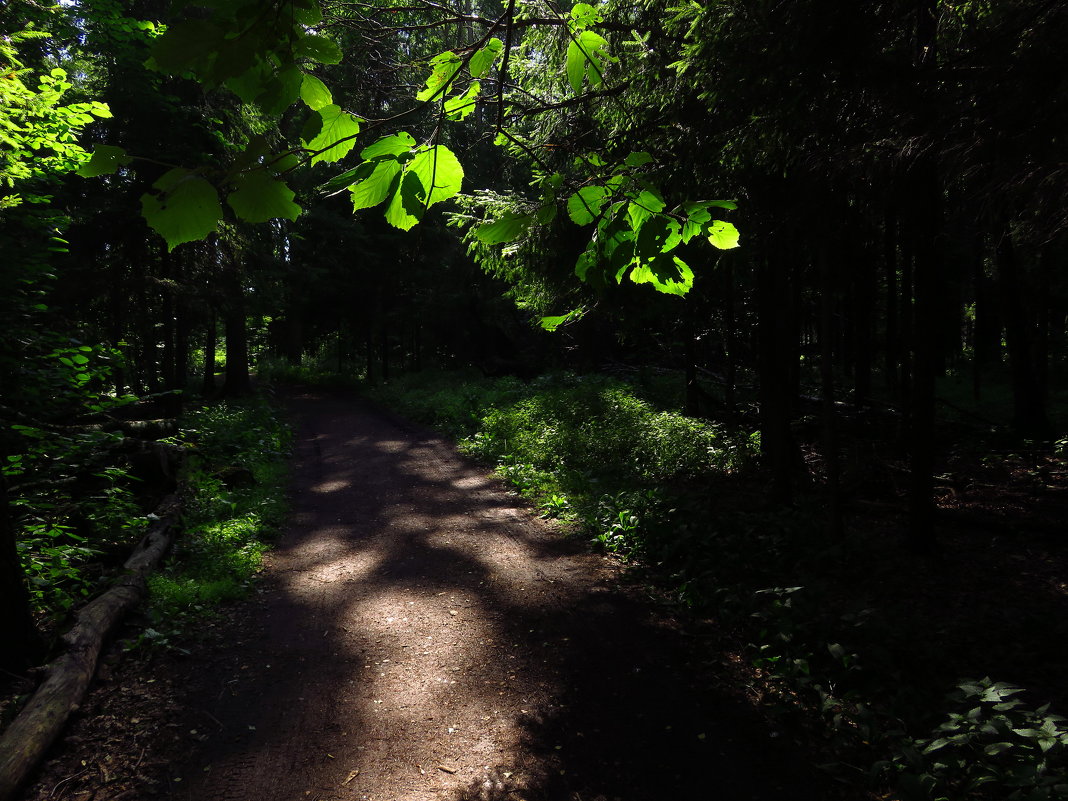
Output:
(826, 627)
(234, 483)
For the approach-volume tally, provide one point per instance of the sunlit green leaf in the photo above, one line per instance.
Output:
(439, 172)
(458, 107)
(106, 159)
(584, 206)
(643, 207)
(405, 207)
(508, 228)
(185, 207)
(658, 234)
(586, 54)
(443, 68)
(259, 198)
(722, 235)
(482, 60)
(378, 184)
(315, 93)
(554, 322)
(307, 13)
(393, 145)
(336, 136)
(665, 273)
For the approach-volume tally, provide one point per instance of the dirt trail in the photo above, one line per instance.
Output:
(420, 635)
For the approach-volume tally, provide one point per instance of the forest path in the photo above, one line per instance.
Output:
(420, 635)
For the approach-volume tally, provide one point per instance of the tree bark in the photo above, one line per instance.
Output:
(211, 338)
(773, 297)
(892, 349)
(835, 525)
(17, 632)
(41, 721)
(1029, 407)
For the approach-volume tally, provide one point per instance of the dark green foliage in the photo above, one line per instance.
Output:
(226, 529)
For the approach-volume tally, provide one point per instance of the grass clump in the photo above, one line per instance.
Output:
(590, 450)
(228, 522)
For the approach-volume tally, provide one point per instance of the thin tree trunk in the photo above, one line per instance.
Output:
(773, 296)
(238, 382)
(730, 335)
(17, 632)
(862, 314)
(835, 526)
(1029, 409)
(211, 337)
(693, 397)
(893, 343)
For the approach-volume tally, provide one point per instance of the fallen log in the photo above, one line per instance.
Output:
(42, 719)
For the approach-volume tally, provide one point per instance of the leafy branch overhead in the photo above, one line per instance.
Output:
(267, 60)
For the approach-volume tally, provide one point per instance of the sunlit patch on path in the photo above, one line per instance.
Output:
(421, 636)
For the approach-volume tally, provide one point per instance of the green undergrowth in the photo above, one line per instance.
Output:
(272, 370)
(234, 486)
(831, 644)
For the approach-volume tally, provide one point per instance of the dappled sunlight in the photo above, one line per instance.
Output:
(424, 638)
(331, 486)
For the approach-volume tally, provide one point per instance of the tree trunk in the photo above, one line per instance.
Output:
(835, 526)
(17, 632)
(893, 343)
(693, 395)
(862, 312)
(925, 343)
(211, 337)
(776, 443)
(238, 382)
(1029, 408)
(730, 335)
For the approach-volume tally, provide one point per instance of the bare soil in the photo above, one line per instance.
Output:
(419, 634)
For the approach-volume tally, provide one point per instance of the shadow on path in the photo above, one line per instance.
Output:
(419, 636)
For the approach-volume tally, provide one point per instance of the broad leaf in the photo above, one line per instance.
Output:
(722, 235)
(259, 198)
(638, 159)
(336, 135)
(281, 91)
(458, 107)
(659, 234)
(643, 207)
(482, 60)
(318, 48)
(406, 208)
(393, 145)
(185, 207)
(586, 54)
(314, 93)
(309, 15)
(584, 206)
(666, 273)
(508, 228)
(348, 178)
(554, 322)
(583, 15)
(439, 172)
(378, 184)
(443, 68)
(106, 159)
